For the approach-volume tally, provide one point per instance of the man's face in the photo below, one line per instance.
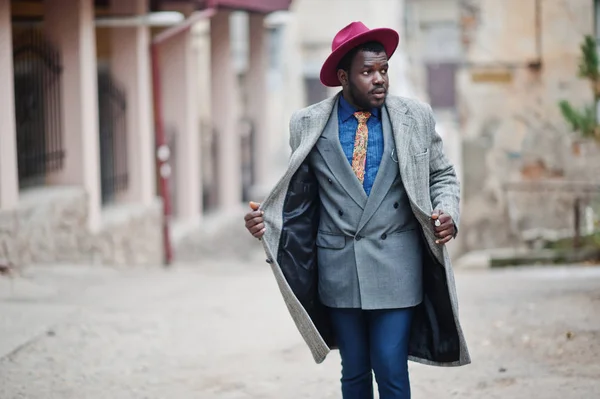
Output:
(367, 81)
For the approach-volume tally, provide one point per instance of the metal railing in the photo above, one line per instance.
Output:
(38, 107)
(210, 168)
(171, 137)
(112, 113)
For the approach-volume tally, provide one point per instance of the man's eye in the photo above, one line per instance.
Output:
(384, 71)
(366, 73)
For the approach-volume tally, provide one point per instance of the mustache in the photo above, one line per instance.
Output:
(378, 88)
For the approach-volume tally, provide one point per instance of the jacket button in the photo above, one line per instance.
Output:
(329, 180)
(383, 236)
(396, 205)
(341, 213)
(269, 261)
(358, 238)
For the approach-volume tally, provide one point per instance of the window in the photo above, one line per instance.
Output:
(597, 22)
(441, 85)
(315, 91)
(38, 106)
(276, 47)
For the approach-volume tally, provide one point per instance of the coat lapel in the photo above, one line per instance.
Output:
(385, 175)
(402, 125)
(309, 129)
(330, 148)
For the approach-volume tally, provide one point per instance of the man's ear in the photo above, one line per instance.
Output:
(342, 77)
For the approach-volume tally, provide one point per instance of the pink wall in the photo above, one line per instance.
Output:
(181, 117)
(71, 26)
(9, 190)
(225, 112)
(130, 64)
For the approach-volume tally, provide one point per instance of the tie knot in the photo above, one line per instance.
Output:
(362, 116)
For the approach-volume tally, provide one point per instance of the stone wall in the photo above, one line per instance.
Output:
(511, 125)
(217, 235)
(50, 226)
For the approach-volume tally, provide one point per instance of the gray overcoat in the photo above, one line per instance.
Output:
(291, 219)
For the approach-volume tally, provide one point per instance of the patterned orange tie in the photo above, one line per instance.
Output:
(359, 156)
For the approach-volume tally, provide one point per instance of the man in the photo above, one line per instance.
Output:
(355, 229)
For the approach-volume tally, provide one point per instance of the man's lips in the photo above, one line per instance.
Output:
(379, 93)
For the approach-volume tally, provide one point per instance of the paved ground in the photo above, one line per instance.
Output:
(219, 330)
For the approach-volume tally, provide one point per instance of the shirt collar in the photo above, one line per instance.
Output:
(346, 111)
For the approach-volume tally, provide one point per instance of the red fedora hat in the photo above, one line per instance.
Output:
(349, 37)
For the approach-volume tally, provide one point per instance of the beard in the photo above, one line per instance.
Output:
(360, 100)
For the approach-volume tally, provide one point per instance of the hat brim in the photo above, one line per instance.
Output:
(389, 38)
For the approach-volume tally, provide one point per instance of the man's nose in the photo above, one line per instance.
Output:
(378, 78)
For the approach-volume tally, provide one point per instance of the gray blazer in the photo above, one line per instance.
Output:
(369, 248)
(430, 183)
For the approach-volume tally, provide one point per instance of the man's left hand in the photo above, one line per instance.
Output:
(443, 226)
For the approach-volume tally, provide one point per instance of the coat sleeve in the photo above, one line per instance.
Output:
(444, 187)
(294, 134)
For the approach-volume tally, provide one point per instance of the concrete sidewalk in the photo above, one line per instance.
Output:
(220, 330)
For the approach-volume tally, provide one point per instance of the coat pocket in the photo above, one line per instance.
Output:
(422, 157)
(330, 241)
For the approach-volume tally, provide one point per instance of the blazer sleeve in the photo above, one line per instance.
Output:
(444, 187)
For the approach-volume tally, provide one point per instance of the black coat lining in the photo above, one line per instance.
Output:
(434, 335)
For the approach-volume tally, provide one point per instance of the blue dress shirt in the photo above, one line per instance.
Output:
(348, 125)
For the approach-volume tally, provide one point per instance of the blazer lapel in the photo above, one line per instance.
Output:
(386, 173)
(330, 148)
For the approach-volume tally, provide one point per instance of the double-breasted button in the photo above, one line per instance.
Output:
(383, 236)
(396, 205)
(341, 213)
(358, 238)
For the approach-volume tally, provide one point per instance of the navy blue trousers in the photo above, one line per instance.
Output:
(373, 341)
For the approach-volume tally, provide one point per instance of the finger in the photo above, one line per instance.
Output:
(443, 241)
(256, 228)
(444, 218)
(435, 216)
(252, 215)
(444, 226)
(260, 234)
(444, 233)
(254, 222)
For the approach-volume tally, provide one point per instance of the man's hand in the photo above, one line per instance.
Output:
(254, 221)
(443, 226)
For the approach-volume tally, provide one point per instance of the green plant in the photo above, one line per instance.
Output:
(585, 121)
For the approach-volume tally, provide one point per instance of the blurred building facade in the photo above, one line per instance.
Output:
(500, 68)
(78, 159)
(513, 132)
(79, 174)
